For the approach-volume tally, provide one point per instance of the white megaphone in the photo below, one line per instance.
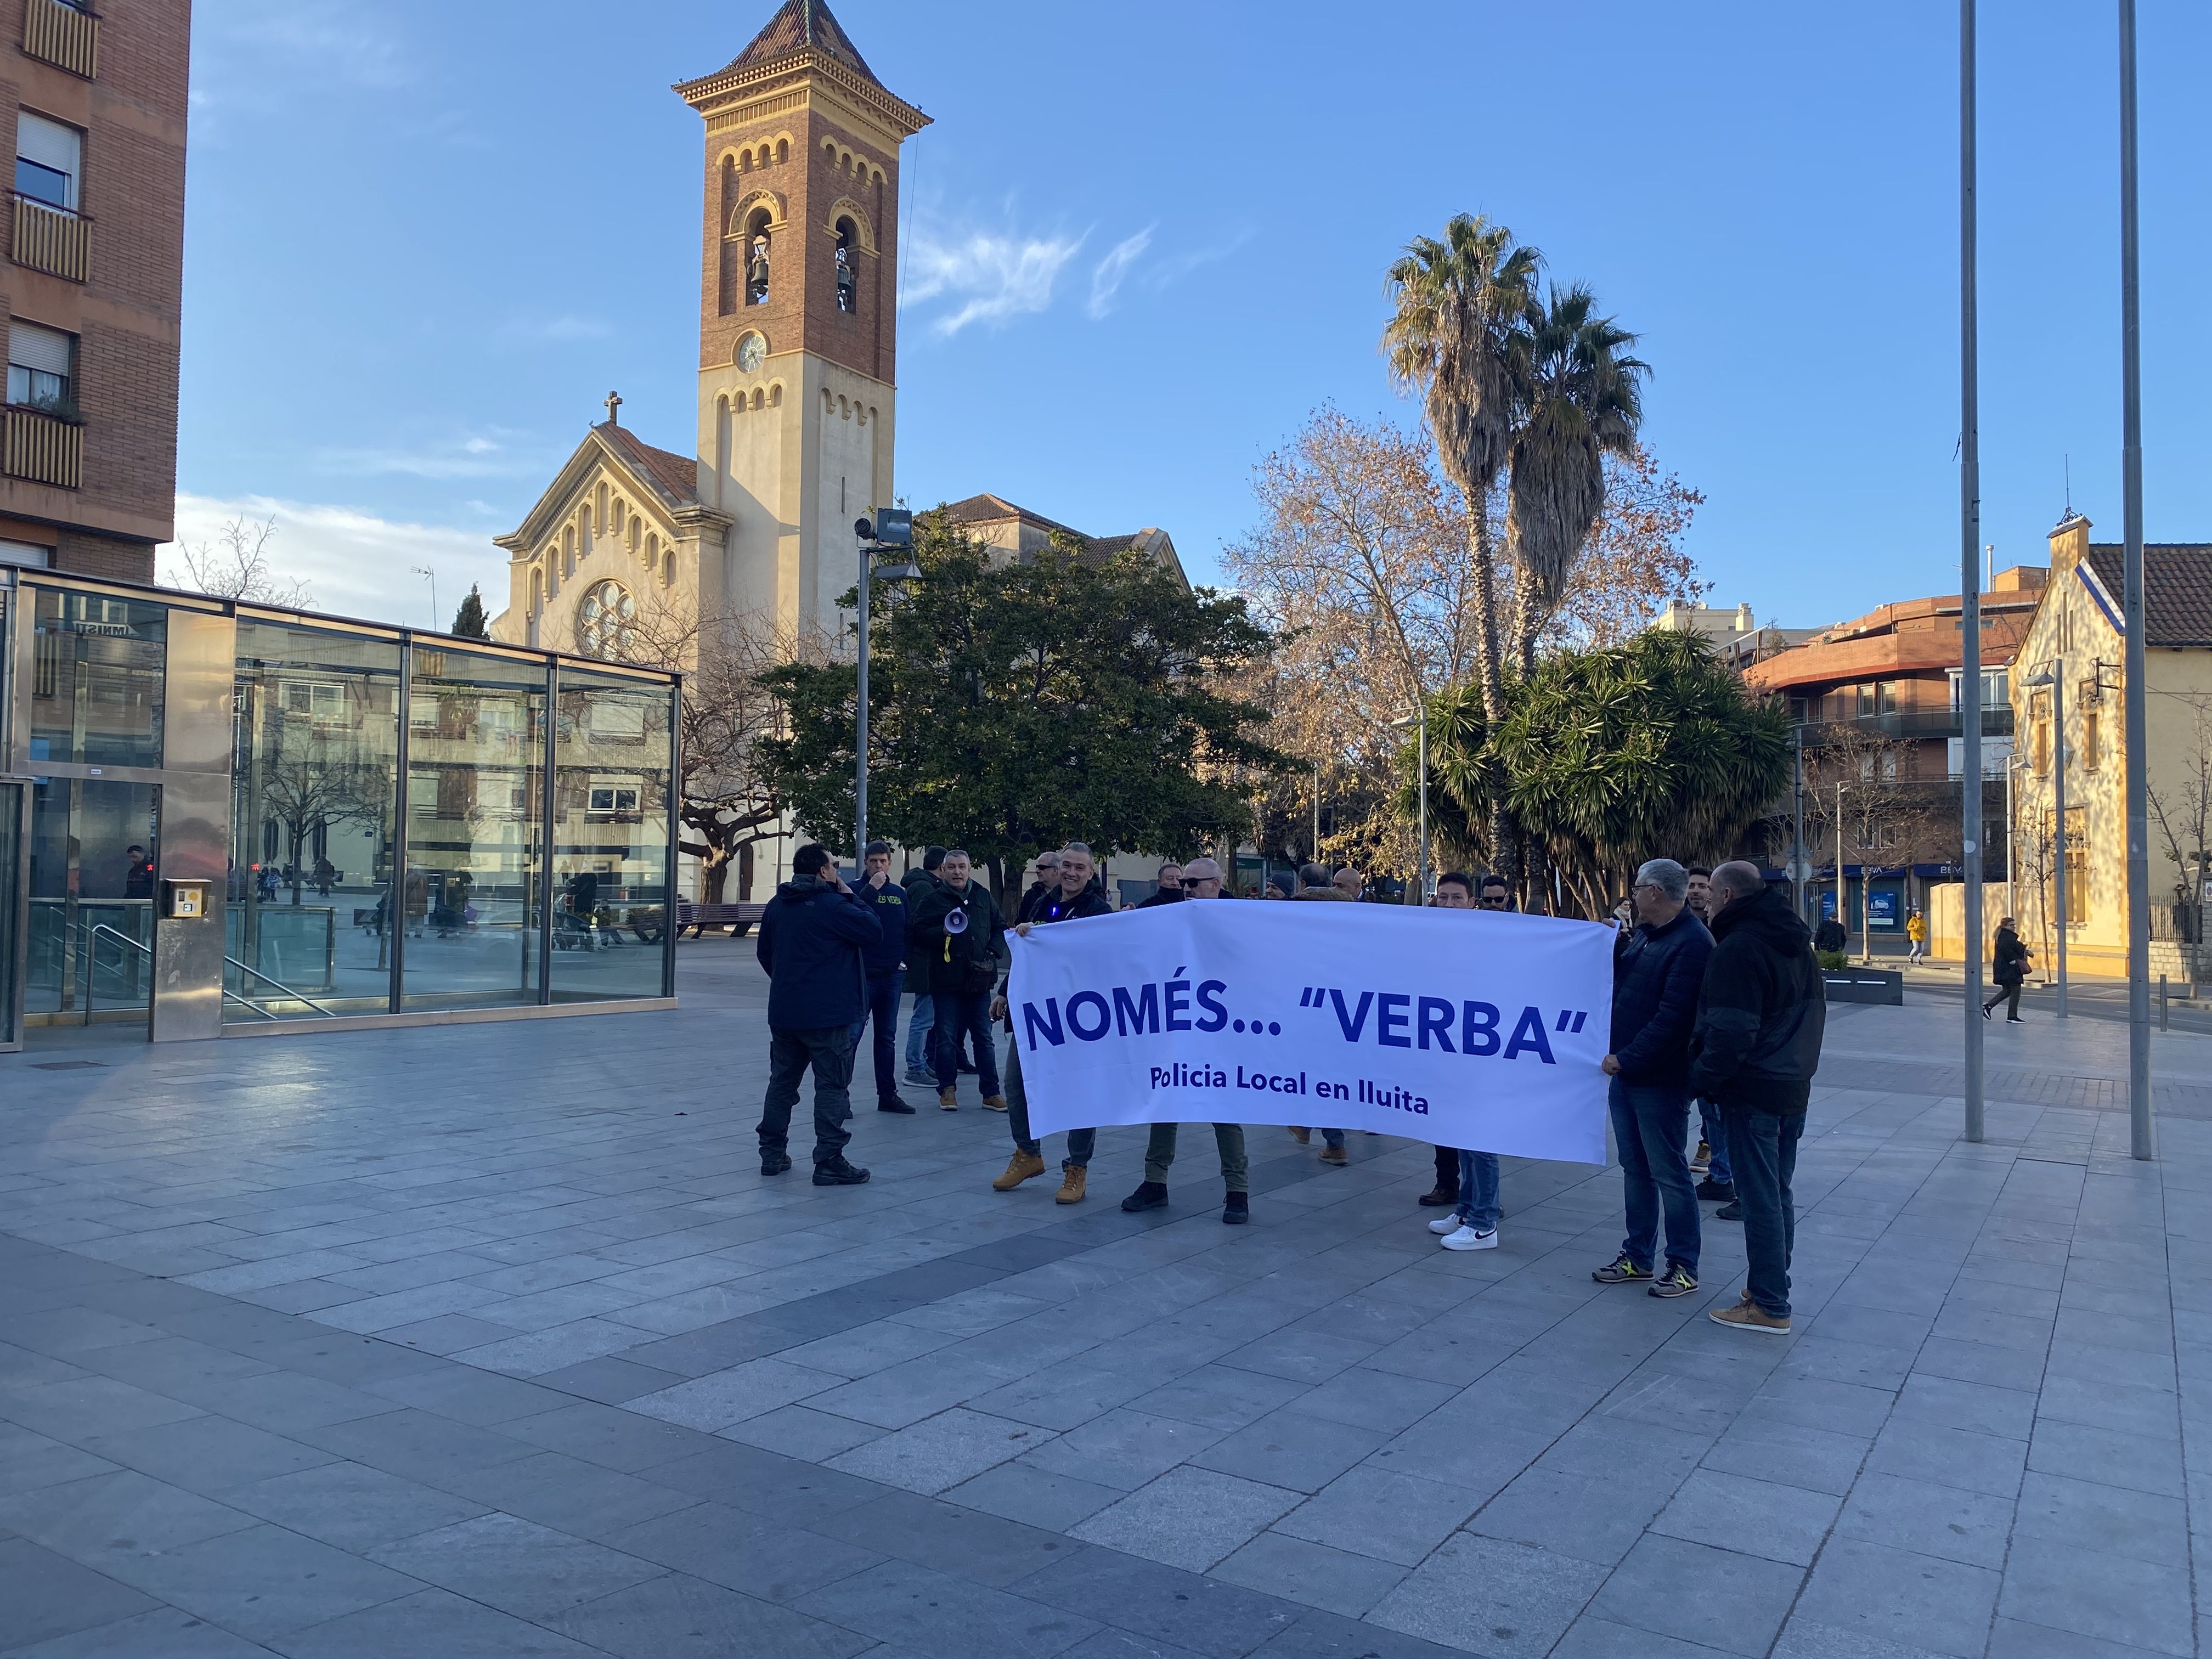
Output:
(956, 921)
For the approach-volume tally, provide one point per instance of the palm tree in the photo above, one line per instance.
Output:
(1580, 398)
(1460, 304)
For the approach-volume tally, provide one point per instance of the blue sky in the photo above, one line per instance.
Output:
(1144, 240)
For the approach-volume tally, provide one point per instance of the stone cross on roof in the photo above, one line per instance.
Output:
(613, 401)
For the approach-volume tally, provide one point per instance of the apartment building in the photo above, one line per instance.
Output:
(92, 282)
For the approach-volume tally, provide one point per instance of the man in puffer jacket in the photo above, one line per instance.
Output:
(812, 940)
(1760, 1018)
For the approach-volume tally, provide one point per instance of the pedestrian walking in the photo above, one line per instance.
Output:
(1199, 879)
(1472, 1225)
(1916, 936)
(955, 930)
(1761, 1014)
(2009, 964)
(884, 958)
(1169, 889)
(1074, 900)
(919, 1054)
(1656, 971)
(1316, 883)
(812, 936)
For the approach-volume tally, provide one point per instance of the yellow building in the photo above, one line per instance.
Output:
(2074, 655)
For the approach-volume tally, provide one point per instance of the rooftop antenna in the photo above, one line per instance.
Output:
(2069, 463)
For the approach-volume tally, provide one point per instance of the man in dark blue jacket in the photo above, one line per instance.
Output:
(811, 938)
(884, 959)
(1657, 973)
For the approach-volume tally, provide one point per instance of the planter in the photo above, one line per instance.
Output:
(1885, 985)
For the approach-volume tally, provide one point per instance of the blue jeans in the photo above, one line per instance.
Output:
(917, 1032)
(960, 1015)
(1712, 1129)
(1649, 1125)
(1765, 1158)
(883, 1008)
(1478, 1190)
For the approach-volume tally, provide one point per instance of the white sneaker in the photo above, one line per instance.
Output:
(1468, 1239)
(1450, 1224)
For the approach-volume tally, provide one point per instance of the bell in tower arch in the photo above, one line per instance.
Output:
(757, 269)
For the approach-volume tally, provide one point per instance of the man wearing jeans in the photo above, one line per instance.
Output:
(1472, 1225)
(1656, 971)
(1761, 1014)
(885, 960)
(956, 931)
(811, 936)
(919, 1062)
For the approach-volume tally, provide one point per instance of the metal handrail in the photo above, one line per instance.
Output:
(146, 950)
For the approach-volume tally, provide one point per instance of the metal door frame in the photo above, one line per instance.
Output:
(15, 892)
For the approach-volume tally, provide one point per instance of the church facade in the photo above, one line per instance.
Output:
(798, 327)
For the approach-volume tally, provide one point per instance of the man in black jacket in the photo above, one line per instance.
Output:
(811, 940)
(1656, 971)
(1074, 899)
(1048, 879)
(885, 960)
(1169, 889)
(2009, 964)
(918, 882)
(955, 934)
(1760, 1018)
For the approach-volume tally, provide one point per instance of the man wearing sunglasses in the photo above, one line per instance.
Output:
(1494, 894)
(1047, 881)
(1199, 879)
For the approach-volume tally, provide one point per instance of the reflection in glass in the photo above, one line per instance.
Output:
(11, 835)
(470, 895)
(95, 674)
(313, 821)
(610, 791)
(94, 857)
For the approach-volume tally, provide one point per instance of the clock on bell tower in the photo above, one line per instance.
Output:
(797, 312)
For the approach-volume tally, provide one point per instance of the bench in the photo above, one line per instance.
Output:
(740, 918)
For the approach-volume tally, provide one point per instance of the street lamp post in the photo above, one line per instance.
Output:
(1970, 584)
(891, 528)
(2136, 761)
(1798, 866)
(1419, 719)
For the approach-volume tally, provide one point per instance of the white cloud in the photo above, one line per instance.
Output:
(992, 278)
(349, 40)
(476, 455)
(1106, 277)
(566, 326)
(355, 563)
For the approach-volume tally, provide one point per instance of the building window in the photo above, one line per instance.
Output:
(2039, 741)
(2093, 727)
(42, 369)
(49, 160)
(606, 623)
(25, 553)
(847, 280)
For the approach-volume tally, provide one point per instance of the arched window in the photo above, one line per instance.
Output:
(848, 290)
(757, 252)
(606, 623)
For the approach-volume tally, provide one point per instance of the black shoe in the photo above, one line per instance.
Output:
(2014, 1019)
(1716, 1192)
(1149, 1196)
(1439, 1195)
(893, 1103)
(1985, 1009)
(1237, 1210)
(774, 1163)
(838, 1173)
(1728, 1212)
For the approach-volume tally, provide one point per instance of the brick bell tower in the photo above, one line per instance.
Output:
(797, 312)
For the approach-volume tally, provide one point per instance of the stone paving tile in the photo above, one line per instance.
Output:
(516, 1565)
(1189, 1517)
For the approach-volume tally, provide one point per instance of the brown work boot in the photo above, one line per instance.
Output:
(1071, 1185)
(994, 1103)
(1335, 1155)
(948, 1100)
(1303, 1137)
(1020, 1168)
(1750, 1316)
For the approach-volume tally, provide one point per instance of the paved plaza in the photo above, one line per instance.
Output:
(491, 1340)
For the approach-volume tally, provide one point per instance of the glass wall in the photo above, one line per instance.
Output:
(314, 823)
(610, 878)
(95, 851)
(96, 674)
(473, 889)
(11, 835)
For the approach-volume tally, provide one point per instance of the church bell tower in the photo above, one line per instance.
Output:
(797, 314)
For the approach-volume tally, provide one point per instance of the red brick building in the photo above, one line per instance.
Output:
(92, 281)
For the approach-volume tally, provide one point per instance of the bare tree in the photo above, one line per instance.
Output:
(2183, 811)
(725, 803)
(237, 566)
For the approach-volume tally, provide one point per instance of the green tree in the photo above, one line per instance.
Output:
(468, 620)
(1647, 749)
(1018, 706)
(1582, 400)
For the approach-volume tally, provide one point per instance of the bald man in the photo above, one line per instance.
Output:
(1201, 879)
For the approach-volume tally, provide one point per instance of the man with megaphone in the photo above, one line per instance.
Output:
(957, 931)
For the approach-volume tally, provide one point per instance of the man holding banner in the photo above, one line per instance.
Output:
(1472, 1225)
(1201, 879)
(1074, 900)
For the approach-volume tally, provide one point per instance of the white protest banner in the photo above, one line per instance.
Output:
(1474, 1028)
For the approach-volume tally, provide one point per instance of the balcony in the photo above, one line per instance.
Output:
(66, 36)
(45, 449)
(1909, 726)
(49, 240)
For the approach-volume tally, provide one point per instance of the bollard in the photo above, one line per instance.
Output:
(2164, 1020)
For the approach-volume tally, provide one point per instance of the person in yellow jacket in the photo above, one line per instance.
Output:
(1916, 933)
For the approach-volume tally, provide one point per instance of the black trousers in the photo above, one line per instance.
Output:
(2007, 994)
(1448, 1170)
(829, 1051)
